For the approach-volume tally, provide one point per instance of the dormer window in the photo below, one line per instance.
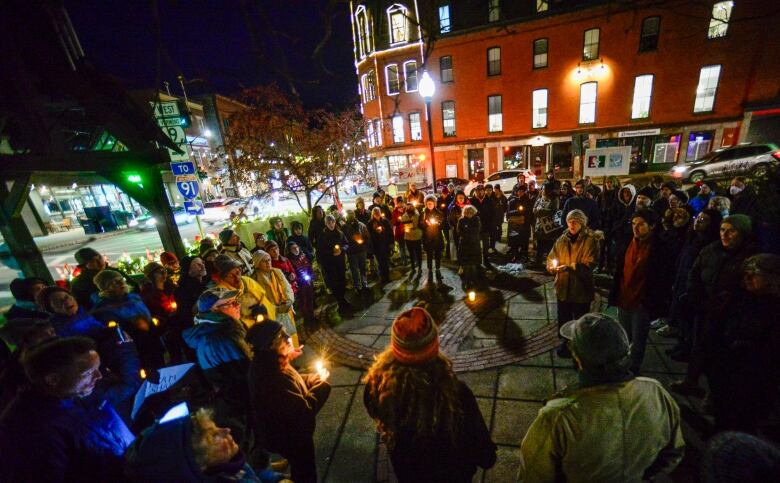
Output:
(398, 21)
(363, 31)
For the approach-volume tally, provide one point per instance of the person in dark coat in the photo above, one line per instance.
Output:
(429, 419)
(661, 203)
(553, 185)
(414, 196)
(193, 281)
(24, 291)
(157, 295)
(519, 210)
(640, 287)
(316, 226)
(606, 201)
(22, 334)
(619, 220)
(432, 222)
(566, 191)
(454, 213)
(585, 204)
(301, 240)
(379, 202)
(54, 431)
(90, 263)
(331, 248)
(361, 213)
(500, 202)
(304, 299)
(743, 198)
(484, 206)
(359, 242)
(676, 224)
(467, 240)
(284, 403)
(382, 241)
(278, 232)
(443, 203)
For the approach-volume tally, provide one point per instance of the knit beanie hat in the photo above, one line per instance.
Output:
(20, 287)
(597, 339)
(578, 215)
(415, 339)
(105, 278)
(85, 255)
(270, 244)
(224, 264)
(763, 263)
(646, 214)
(210, 297)
(43, 299)
(225, 236)
(150, 268)
(168, 258)
(261, 336)
(430, 198)
(741, 223)
(205, 252)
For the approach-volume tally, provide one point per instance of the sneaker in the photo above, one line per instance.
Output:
(686, 388)
(668, 331)
(658, 323)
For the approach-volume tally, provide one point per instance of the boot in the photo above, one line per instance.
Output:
(439, 278)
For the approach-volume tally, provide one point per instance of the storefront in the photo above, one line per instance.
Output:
(653, 149)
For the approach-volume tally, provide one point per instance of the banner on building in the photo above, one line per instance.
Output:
(607, 161)
(412, 174)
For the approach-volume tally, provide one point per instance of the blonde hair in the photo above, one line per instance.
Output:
(470, 208)
(200, 450)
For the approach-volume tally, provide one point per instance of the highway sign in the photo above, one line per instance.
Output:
(168, 121)
(177, 157)
(180, 169)
(176, 133)
(188, 186)
(166, 109)
(194, 207)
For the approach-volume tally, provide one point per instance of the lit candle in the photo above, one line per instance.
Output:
(113, 325)
(443, 206)
(290, 341)
(174, 305)
(320, 367)
(555, 263)
(155, 321)
(142, 373)
(379, 229)
(407, 229)
(433, 221)
(521, 207)
(259, 318)
(360, 240)
(472, 296)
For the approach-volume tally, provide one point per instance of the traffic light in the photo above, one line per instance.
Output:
(135, 178)
(185, 116)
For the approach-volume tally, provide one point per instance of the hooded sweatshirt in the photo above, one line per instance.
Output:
(619, 222)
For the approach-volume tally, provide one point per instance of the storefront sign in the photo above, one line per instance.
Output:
(643, 132)
(607, 161)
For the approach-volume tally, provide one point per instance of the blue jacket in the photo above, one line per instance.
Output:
(46, 439)
(699, 202)
(132, 315)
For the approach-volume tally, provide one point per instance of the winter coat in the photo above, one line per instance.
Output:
(363, 216)
(519, 211)
(281, 295)
(186, 296)
(381, 235)
(82, 287)
(25, 310)
(717, 270)
(544, 211)
(699, 203)
(358, 237)
(303, 269)
(75, 440)
(384, 209)
(304, 243)
(618, 226)
(617, 432)
(316, 226)
(575, 286)
(443, 204)
(657, 289)
(250, 295)
(129, 312)
(587, 206)
(500, 208)
(287, 269)
(411, 224)
(161, 303)
(745, 203)
(279, 236)
(485, 212)
(418, 196)
(325, 250)
(240, 254)
(442, 457)
(432, 223)
(454, 212)
(467, 240)
(398, 227)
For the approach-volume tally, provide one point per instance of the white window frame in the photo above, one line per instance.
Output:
(445, 20)
(719, 20)
(494, 10)
(441, 70)
(406, 76)
(539, 109)
(370, 134)
(448, 121)
(398, 128)
(364, 33)
(545, 55)
(368, 82)
(707, 88)
(643, 96)
(495, 119)
(415, 126)
(398, 9)
(589, 92)
(586, 44)
(491, 62)
(389, 79)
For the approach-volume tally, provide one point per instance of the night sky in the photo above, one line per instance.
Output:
(210, 42)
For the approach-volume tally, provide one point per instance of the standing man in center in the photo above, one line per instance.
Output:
(484, 206)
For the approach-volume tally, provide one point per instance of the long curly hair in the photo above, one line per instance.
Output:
(418, 399)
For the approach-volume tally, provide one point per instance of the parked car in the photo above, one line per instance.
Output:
(442, 183)
(506, 178)
(146, 222)
(751, 159)
(218, 211)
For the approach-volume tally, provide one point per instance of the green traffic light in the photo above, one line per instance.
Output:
(134, 178)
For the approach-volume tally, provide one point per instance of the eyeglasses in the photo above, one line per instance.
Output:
(232, 303)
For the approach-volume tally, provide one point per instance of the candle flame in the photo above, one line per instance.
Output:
(259, 318)
(111, 324)
(555, 263)
(142, 373)
(155, 321)
(472, 296)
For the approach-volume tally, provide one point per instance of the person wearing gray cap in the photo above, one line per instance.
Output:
(610, 426)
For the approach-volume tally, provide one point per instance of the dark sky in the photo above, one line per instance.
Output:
(211, 40)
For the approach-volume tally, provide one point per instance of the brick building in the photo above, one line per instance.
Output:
(533, 83)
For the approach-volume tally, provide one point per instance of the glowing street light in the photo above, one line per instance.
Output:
(427, 89)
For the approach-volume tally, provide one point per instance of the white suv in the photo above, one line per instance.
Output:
(506, 179)
(743, 159)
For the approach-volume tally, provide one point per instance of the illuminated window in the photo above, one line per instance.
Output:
(410, 76)
(648, 40)
(590, 45)
(588, 102)
(414, 126)
(542, 6)
(444, 19)
(494, 10)
(494, 61)
(643, 93)
(719, 22)
(399, 28)
(495, 115)
(539, 114)
(393, 81)
(363, 31)
(448, 118)
(398, 128)
(540, 53)
(445, 68)
(705, 91)
(368, 83)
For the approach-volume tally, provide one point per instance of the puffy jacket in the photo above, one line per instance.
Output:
(411, 224)
(133, 317)
(467, 241)
(610, 433)
(583, 254)
(717, 270)
(432, 223)
(358, 237)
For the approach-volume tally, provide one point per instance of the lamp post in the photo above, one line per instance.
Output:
(427, 88)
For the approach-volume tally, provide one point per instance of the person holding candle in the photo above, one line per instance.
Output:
(484, 206)
(282, 263)
(500, 209)
(284, 403)
(413, 236)
(414, 196)
(278, 291)
(398, 227)
(301, 240)
(454, 212)
(381, 241)
(519, 212)
(443, 203)
(158, 293)
(359, 247)
(433, 239)
(468, 246)
(429, 419)
(331, 252)
(545, 229)
(304, 299)
(572, 260)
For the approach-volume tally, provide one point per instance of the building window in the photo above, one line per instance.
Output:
(648, 39)
(377, 132)
(398, 128)
(494, 61)
(414, 126)
(368, 82)
(494, 10)
(399, 29)
(539, 108)
(588, 102)
(719, 22)
(495, 115)
(445, 68)
(590, 45)
(393, 81)
(705, 91)
(444, 19)
(410, 75)
(370, 134)
(448, 118)
(542, 6)
(643, 93)
(540, 53)
(363, 31)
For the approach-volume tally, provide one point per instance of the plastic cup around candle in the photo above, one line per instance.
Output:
(472, 296)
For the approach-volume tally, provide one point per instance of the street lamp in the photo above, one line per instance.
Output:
(427, 88)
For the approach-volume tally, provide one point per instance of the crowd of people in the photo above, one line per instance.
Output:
(683, 263)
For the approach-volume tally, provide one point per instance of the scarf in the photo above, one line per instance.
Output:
(275, 285)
